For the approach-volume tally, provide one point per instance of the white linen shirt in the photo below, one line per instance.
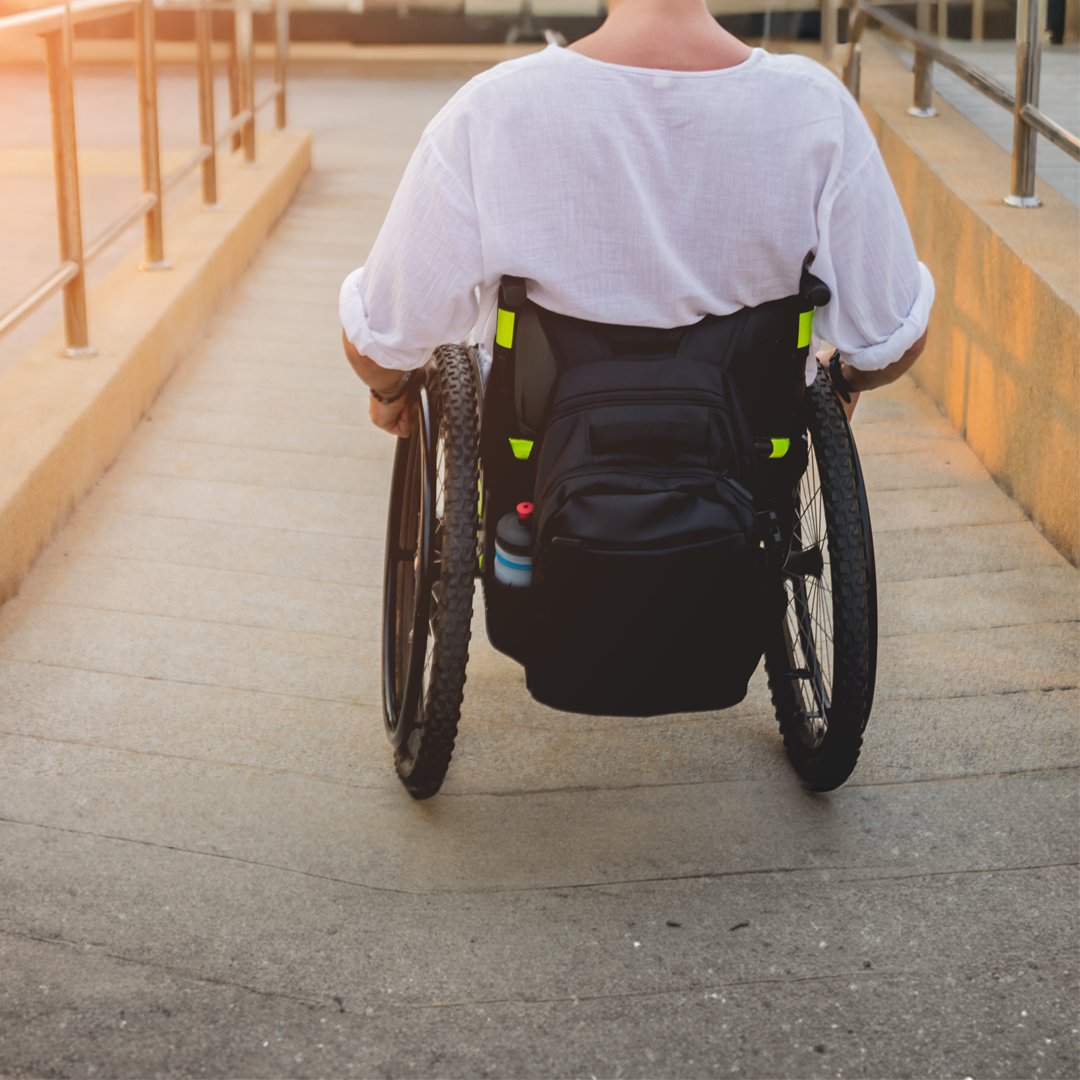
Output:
(641, 197)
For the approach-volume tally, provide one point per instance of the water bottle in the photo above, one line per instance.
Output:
(513, 547)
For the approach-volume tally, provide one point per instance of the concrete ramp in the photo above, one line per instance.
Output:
(208, 867)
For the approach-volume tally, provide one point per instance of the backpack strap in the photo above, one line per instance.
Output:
(511, 300)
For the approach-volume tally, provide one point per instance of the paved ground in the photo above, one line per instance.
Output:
(208, 867)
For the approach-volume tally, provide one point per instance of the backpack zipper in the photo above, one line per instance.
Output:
(651, 470)
(580, 402)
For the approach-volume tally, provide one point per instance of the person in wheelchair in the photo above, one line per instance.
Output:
(637, 238)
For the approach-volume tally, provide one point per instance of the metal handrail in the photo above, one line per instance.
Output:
(170, 180)
(232, 127)
(1028, 121)
(65, 272)
(47, 19)
(1051, 130)
(932, 46)
(119, 226)
(56, 25)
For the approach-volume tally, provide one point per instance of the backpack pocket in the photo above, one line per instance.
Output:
(647, 560)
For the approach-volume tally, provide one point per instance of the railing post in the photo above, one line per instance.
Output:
(853, 71)
(923, 104)
(853, 66)
(281, 60)
(1028, 56)
(943, 19)
(245, 62)
(978, 19)
(149, 153)
(234, 84)
(829, 33)
(65, 165)
(205, 63)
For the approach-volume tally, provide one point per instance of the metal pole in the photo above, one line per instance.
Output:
(149, 153)
(923, 105)
(281, 60)
(1028, 55)
(205, 63)
(853, 71)
(65, 165)
(829, 17)
(978, 18)
(234, 82)
(246, 65)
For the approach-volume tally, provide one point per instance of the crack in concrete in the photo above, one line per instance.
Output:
(237, 525)
(181, 973)
(267, 450)
(851, 785)
(214, 622)
(981, 629)
(215, 855)
(710, 988)
(966, 697)
(337, 1002)
(707, 875)
(523, 793)
(966, 873)
(189, 682)
(85, 554)
(352, 702)
(264, 769)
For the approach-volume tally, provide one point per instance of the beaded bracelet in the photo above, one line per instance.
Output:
(397, 395)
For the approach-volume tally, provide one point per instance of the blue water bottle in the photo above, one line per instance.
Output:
(513, 547)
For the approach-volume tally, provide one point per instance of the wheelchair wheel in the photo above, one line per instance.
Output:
(428, 578)
(822, 663)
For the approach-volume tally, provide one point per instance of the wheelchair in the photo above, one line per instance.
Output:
(816, 629)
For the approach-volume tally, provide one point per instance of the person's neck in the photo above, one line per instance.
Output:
(676, 35)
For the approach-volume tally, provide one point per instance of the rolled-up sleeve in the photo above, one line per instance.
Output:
(882, 294)
(417, 288)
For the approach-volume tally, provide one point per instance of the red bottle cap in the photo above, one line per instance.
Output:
(524, 511)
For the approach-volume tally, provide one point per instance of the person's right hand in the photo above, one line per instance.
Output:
(823, 356)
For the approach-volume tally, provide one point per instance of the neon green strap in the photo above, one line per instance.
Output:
(504, 329)
(522, 448)
(806, 325)
(780, 447)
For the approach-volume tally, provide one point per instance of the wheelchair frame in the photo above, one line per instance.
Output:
(821, 663)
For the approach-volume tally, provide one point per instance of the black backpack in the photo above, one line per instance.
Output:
(658, 535)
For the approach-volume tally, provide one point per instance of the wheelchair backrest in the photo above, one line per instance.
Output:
(764, 348)
(660, 464)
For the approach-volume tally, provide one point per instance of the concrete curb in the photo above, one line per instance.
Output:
(63, 421)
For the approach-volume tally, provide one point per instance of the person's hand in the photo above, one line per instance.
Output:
(399, 417)
(860, 379)
(824, 355)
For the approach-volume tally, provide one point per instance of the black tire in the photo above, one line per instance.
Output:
(822, 663)
(428, 580)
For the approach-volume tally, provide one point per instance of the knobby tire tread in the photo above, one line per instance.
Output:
(422, 761)
(827, 766)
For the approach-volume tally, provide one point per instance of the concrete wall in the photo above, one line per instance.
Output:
(1003, 358)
